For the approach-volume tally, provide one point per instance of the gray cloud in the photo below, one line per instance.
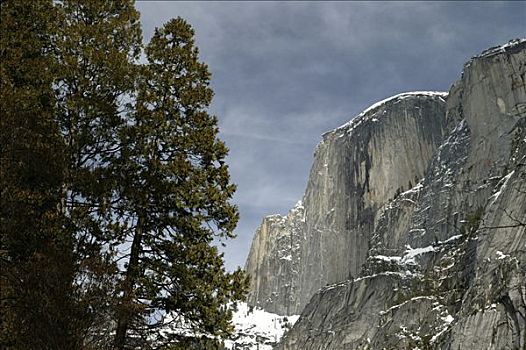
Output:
(284, 73)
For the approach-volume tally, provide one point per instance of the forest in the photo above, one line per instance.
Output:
(114, 188)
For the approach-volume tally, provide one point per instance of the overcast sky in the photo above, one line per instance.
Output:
(284, 73)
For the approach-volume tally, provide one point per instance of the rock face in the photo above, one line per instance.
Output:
(412, 230)
(357, 169)
(273, 262)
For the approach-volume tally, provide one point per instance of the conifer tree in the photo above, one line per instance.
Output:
(176, 191)
(100, 154)
(37, 307)
(96, 48)
(67, 68)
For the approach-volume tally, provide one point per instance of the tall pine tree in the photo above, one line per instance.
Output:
(176, 192)
(97, 46)
(37, 306)
(113, 182)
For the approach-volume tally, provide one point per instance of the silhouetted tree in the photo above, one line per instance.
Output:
(176, 191)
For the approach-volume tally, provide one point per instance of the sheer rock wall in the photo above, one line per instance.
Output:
(444, 266)
(357, 169)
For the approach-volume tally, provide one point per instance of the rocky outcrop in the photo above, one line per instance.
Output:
(273, 262)
(357, 169)
(439, 263)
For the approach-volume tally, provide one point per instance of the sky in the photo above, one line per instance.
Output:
(284, 73)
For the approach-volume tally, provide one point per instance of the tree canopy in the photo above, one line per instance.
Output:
(114, 183)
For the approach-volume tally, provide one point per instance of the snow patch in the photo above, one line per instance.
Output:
(501, 255)
(395, 259)
(402, 275)
(450, 239)
(397, 306)
(256, 329)
(501, 185)
(410, 254)
(416, 188)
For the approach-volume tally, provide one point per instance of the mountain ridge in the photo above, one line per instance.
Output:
(411, 230)
(332, 169)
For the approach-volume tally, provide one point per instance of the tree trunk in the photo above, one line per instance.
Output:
(126, 308)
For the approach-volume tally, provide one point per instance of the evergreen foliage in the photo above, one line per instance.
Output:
(96, 48)
(36, 286)
(114, 184)
(176, 193)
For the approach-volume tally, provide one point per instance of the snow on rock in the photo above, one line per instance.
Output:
(501, 186)
(418, 187)
(410, 253)
(447, 320)
(354, 122)
(258, 329)
(450, 239)
(501, 255)
(395, 259)
(394, 307)
(502, 48)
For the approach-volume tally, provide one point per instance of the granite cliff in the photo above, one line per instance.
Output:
(357, 169)
(411, 232)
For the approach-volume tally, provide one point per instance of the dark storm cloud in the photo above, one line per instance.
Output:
(284, 73)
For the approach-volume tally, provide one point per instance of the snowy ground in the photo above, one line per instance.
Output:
(257, 329)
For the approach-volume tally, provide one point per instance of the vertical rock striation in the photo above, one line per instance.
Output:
(358, 168)
(273, 262)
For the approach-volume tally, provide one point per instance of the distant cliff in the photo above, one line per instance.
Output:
(357, 169)
(411, 232)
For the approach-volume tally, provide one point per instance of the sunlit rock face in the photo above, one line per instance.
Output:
(358, 168)
(436, 264)
(411, 232)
